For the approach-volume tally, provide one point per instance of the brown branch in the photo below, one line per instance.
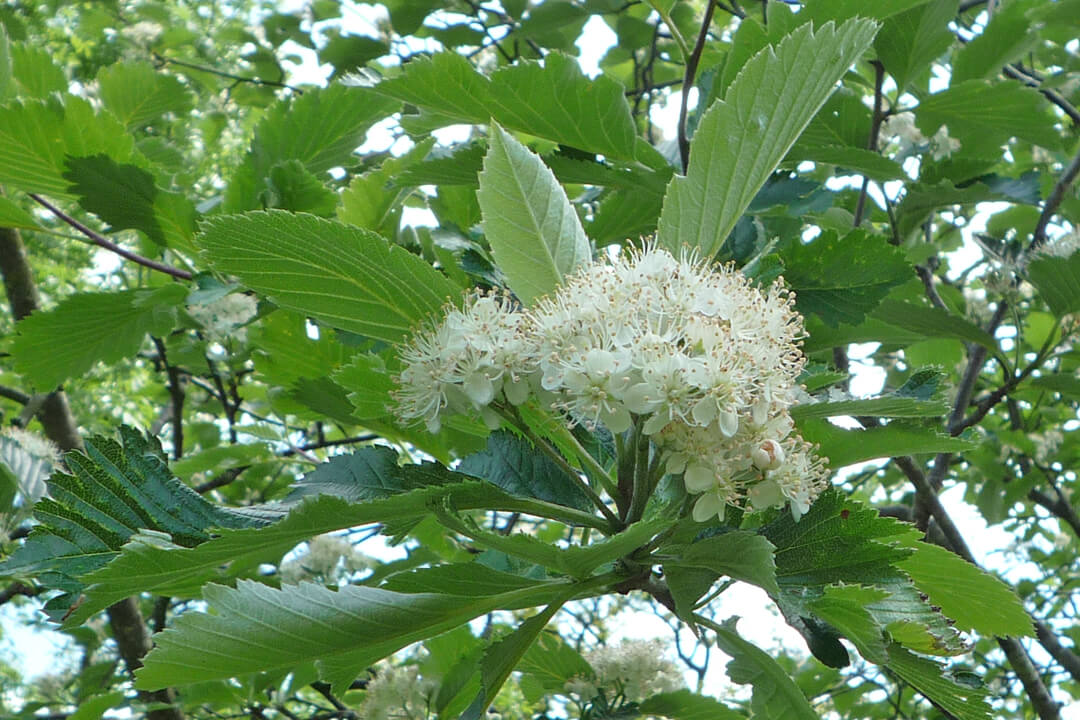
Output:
(1060, 507)
(688, 83)
(1017, 73)
(1066, 658)
(16, 589)
(872, 141)
(176, 398)
(109, 245)
(16, 395)
(1053, 201)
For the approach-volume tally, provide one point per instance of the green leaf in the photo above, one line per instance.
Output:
(290, 186)
(932, 322)
(1058, 281)
(516, 466)
(127, 197)
(554, 101)
(33, 69)
(466, 579)
(1007, 37)
(910, 41)
(87, 328)
(742, 138)
(139, 95)
(7, 78)
(847, 447)
(256, 628)
(371, 473)
(183, 572)
(558, 102)
(984, 115)
(344, 276)
(920, 396)
(959, 699)
(534, 232)
(687, 705)
(739, 554)
(37, 136)
(842, 541)
(775, 694)
(13, 216)
(552, 662)
(844, 607)
(320, 129)
(504, 654)
(974, 599)
(857, 160)
(115, 491)
(842, 279)
(372, 201)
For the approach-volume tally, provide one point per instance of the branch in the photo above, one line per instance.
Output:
(176, 396)
(16, 589)
(104, 242)
(1017, 73)
(1053, 201)
(13, 394)
(162, 60)
(872, 141)
(688, 83)
(1065, 657)
(1059, 507)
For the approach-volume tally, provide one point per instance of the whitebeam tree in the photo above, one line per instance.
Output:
(567, 362)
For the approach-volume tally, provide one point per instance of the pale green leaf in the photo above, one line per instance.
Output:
(87, 328)
(256, 628)
(372, 200)
(975, 600)
(534, 232)
(887, 406)
(341, 275)
(552, 662)
(444, 82)
(139, 95)
(739, 554)
(847, 158)
(932, 322)
(742, 138)
(7, 79)
(847, 447)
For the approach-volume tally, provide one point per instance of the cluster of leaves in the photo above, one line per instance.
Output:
(270, 267)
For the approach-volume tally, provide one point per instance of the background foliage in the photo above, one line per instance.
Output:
(199, 242)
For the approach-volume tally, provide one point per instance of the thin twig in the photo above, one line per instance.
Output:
(104, 242)
(1017, 73)
(872, 141)
(688, 83)
(162, 60)
(13, 394)
(1053, 201)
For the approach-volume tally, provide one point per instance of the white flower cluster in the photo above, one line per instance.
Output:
(331, 558)
(223, 317)
(902, 126)
(398, 692)
(698, 359)
(636, 668)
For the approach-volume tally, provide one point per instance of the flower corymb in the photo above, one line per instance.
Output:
(693, 358)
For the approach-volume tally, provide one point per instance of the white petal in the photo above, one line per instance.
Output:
(618, 421)
(516, 392)
(728, 422)
(704, 412)
(699, 478)
(655, 424)
(639, 399)
(479, 388)
(707, 506)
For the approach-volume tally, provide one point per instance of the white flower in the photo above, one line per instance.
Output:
(223, 317)
(398, 693)
(328, 557)
(943, 145)
(636, 668)
(144, 32)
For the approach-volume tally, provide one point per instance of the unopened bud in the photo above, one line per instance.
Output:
(768, 455)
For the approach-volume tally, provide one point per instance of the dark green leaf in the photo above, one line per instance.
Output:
(959, 699)
(1058, 281)
(127, 198)
(842, 279)
(1007, 37)
(687, 705)
(139, 95)
(911, 40)
(847, 447)
(517, 467)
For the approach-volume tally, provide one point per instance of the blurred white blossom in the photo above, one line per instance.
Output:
(327, 557)
(30, 459)
(223, 318)
(637, 669)
(398, 693)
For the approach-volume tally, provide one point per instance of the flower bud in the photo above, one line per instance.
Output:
(768, 455)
